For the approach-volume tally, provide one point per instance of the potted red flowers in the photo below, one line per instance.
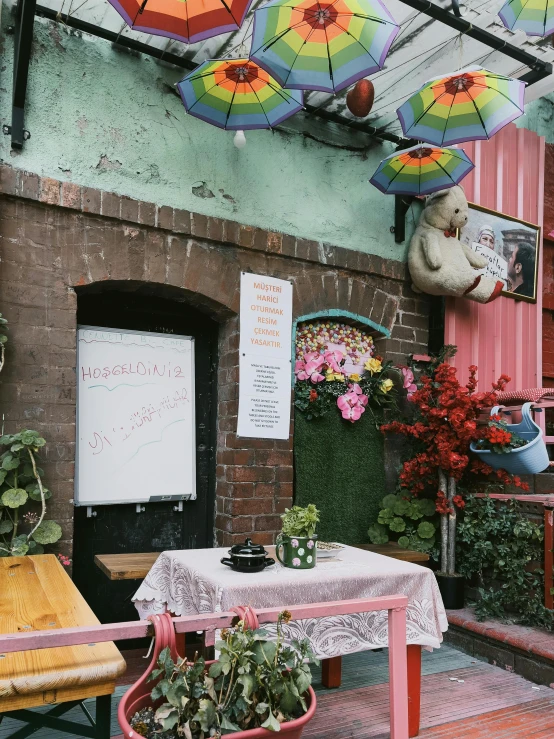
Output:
(518, 448)
(445, 425)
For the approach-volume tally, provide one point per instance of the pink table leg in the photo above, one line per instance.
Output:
(414, 688)
(398, 675)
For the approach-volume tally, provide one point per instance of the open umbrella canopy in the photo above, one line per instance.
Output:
(421, 170)
(322, 44)
(535, 17)
(186, 20)
(464, 106)
(237, 94)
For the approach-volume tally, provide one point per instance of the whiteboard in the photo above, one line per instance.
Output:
(135, 417)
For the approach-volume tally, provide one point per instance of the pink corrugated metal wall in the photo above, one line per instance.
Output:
(505, 336)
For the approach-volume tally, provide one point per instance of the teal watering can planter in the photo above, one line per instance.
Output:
(526, 460)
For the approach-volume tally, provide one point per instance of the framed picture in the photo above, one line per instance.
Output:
(510, 245)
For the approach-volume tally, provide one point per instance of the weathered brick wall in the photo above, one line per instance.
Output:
(55, 237)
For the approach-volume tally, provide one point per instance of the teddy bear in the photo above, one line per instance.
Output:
(438, 261)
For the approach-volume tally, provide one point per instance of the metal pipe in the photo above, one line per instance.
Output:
(538, 69)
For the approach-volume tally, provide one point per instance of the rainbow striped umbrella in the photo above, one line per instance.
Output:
(421, 170)
(535, 17)
(322, 44)
(236, 94)
(467, 105)
(186, 20)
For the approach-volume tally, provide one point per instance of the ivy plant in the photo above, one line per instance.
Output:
(21, 485)
(411, 521)
(503, 549)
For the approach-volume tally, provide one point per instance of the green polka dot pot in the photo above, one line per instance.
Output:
(297, 552)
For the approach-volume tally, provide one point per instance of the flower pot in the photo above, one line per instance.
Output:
(526, 460)
(452, 589)
(299, 552)
(138, 695)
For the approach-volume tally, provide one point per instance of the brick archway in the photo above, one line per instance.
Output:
(58, 238)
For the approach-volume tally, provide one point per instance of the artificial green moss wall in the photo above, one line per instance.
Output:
(339, 466)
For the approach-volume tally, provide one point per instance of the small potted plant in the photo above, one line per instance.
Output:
(298, 539)
(255, 687)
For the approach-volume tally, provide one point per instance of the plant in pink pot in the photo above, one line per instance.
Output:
(254, 688)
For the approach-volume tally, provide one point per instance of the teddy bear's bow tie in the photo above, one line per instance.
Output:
(449, 234)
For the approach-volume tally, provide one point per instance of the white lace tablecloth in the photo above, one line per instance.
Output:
(194, 581)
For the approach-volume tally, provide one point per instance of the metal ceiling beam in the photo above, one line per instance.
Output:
(183, 63)
(23, 32)
(114, 38)
(538, 68)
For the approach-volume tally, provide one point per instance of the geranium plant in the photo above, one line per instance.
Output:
(497, 437)
(409, 520)
(254, 683)
(336, 367)
(444, 426)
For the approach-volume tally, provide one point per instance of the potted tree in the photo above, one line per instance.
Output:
(444, 426)
(254, 688)
(298, 539)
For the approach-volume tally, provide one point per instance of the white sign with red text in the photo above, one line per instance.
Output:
(135, 417)
(265, 357)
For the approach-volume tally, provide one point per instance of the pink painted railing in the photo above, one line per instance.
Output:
(394, 604)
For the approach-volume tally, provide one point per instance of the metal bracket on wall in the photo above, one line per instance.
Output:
(140, 508)
(23, 33)
(90, 512)
(401, 206)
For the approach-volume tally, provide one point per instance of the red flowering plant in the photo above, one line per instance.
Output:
(498, 438)
(445, 424)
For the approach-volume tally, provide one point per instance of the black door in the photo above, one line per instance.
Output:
(119, 528)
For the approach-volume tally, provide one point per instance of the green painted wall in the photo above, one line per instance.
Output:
(539, 117)
(109, 119)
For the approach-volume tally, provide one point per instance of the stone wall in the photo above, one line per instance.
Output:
(55, 237)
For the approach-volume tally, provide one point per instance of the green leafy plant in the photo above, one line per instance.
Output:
(21, 484)
(503, 550)
(298, 521)
(3, 340)
(254, 683)
(415, 519)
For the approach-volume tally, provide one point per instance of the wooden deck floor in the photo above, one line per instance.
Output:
(490, 703)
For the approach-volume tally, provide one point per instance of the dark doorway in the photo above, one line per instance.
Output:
(119, 528)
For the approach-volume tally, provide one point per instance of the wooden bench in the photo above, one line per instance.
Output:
(137, 566)
(391, 549)
(36, 594)
(126, 566)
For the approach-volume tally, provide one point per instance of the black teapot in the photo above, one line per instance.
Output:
(248, 557)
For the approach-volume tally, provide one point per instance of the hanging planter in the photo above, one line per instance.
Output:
(527, 458)
(139, 703)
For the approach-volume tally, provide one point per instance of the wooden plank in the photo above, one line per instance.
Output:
(393, 550)
(38, 595)
(364, 713)
(133, 566)
(534, 719)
